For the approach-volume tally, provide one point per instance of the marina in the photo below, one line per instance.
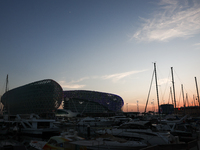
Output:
(135, 134)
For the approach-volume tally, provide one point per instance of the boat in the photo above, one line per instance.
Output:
(185, 131)
(140, 131)
(61, 142)
(110, 142)
(94, 122)
(117, 120)
(33, 125)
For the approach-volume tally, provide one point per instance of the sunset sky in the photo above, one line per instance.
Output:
(103, 45)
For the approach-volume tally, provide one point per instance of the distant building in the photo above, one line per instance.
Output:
(191, 110)
(91, 102)
(39, 97)
(167, 109)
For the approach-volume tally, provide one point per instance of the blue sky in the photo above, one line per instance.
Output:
(100, 45)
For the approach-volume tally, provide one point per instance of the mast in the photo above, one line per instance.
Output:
(194, 100)
(6, 84)
(6, 90)
(173, 87)
(187, 100)
(171, 95)
(183, 97)
(197, 90)
(157, 88)
(149, 93)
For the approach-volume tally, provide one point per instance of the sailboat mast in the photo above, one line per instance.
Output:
(173, 87)
(149, 93)
(171, 95)
(156, 87)
(187, 100)
(197, 90)
(183, 97)
(194, 100)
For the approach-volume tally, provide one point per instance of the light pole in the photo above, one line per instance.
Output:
(127, 106)
(137, 106)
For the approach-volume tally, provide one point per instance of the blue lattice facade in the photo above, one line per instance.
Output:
(39, 97)
(82, 101)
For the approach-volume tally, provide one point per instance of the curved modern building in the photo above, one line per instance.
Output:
(41, 97)
(82, 101)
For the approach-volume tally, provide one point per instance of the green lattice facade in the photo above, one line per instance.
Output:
(39, 97)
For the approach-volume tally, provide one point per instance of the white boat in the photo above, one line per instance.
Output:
(94, 122)
(120, 119)
(139, 130)
(33, 125)
(110, 142)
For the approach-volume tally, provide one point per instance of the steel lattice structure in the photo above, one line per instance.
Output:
(91, 101)
(39, 97)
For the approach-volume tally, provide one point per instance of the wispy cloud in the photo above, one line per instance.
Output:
(163, 81)
(73, 84)
(197, 46)
(118, 76)
(175, 19)
(76, 84)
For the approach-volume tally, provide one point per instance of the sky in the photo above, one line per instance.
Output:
(104, 45)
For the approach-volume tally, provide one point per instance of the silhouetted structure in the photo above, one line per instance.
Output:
(85, 102)
(39, 97)
(167, 109)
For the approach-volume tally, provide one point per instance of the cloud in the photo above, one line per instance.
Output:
(118, 76)
(73, 84)
(163, 81)
(175, 19)
(197, 46)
